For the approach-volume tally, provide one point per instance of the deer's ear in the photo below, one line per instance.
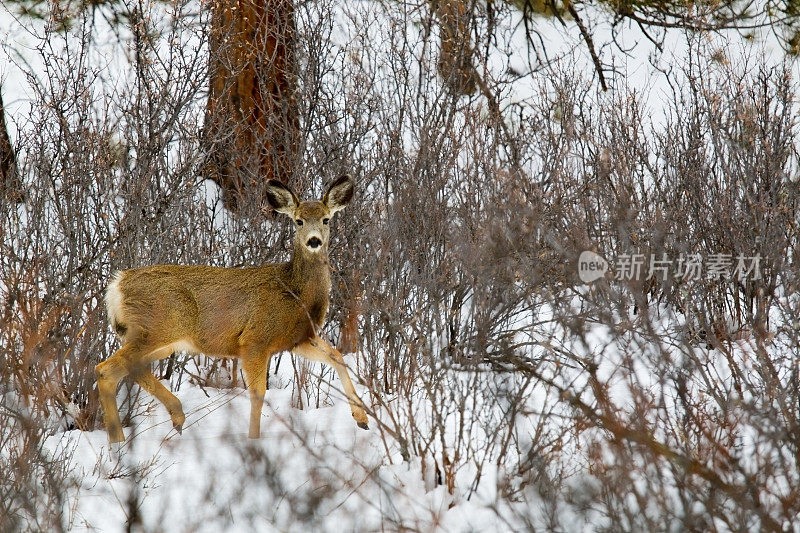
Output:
(281, 198)
(338, 194)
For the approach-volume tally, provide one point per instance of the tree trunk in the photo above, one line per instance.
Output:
(251, 119)
(348, 340)
(10, 184)
(456, 54)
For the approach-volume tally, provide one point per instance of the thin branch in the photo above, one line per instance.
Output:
(598, 67)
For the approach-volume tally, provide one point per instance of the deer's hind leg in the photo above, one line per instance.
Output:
(109, 373)
(129, 361)
(146, 380)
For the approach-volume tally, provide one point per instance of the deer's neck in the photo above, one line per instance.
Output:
(310, 273)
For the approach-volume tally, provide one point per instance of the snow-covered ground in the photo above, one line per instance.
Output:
(312, 467)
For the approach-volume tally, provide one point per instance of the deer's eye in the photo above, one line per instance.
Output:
(325, 221)
(299, 222)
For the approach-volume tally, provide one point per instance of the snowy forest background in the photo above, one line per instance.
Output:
(491, 144)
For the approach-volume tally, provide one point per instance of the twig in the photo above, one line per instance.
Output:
(598, 67)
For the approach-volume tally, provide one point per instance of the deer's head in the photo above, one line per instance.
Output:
(312, 218)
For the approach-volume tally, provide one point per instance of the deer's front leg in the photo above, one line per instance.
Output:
(255, 372)
(318, 349)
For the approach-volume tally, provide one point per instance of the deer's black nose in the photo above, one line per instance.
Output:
(314, 242)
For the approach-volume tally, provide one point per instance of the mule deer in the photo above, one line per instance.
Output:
(249, 313)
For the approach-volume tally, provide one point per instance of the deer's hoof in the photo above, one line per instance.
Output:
(178, 428)
(363, 425)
